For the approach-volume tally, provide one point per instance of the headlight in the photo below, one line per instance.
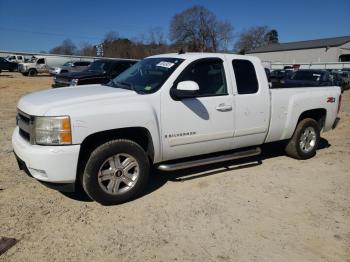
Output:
(74, 82)
(53, 130)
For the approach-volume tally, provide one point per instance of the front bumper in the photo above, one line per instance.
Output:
(49, 164)
(59, 84)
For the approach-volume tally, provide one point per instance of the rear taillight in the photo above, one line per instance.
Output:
(339, 104)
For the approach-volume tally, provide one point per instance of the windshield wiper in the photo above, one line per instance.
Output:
(124, 84)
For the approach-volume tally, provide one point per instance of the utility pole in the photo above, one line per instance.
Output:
(99, 49)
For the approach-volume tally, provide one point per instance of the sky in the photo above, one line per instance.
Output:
(43, 24)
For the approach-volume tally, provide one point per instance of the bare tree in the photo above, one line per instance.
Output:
(272, 37)
(198, 29)
(252, 38)
(156, 36)
(87, 49)
(66, 48)
(111, 36)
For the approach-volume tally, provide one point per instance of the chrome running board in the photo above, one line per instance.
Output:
(209, 160)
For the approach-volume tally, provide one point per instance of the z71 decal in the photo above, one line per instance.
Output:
(330, 99)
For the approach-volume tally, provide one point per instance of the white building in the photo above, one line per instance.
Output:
(327, 50)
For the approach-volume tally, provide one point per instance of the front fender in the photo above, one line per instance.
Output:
(98, 118)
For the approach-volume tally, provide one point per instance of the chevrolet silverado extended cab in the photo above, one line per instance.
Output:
(172, 111)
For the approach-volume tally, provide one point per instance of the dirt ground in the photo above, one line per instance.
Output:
(270, 208)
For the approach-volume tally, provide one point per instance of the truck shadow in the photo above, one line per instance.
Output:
(271, 150)
(160, 178)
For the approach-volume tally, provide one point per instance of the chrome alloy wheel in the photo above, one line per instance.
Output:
(118, 174)
(307, 140)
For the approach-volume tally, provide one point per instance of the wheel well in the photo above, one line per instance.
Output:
(319, 115)
(140, 135)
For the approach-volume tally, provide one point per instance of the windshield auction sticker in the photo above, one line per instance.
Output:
(165, 64)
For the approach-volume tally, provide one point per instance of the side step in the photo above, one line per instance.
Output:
(209, 160)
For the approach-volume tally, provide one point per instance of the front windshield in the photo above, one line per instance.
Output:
(99, 66)
(148, 75)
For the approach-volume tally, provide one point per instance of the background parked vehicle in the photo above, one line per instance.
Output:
(69, 67)
(278, 77)
(6, 65)
(345, 76)
(337, 80)
(15, 58)
(99, 72)
(309, 77)
(40, 65)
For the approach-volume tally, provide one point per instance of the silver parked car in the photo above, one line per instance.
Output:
(69, 67)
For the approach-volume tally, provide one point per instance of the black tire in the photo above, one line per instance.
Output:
(99, 156)
(295, 147)
(32, 72)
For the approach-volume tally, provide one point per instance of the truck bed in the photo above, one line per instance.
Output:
(287, 105)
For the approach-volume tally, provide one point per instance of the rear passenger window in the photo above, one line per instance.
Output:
(246, 80)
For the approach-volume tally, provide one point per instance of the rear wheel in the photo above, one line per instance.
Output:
(305, 140)
(116, 172)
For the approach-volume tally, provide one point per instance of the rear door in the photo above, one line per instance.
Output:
(252, 102)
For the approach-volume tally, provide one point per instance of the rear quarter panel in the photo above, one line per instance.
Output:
(287, 105)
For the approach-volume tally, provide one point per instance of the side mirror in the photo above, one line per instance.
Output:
(185, 89)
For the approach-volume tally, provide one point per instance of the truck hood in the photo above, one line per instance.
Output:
(81, 75)
(39, 103)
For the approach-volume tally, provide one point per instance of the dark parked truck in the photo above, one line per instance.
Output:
(99, 72)
(310, 77)
(6, 65)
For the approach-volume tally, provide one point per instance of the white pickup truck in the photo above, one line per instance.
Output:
(172, 111)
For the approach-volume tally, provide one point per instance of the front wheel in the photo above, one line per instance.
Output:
(116, 172)
(305, 140)
(32, 72)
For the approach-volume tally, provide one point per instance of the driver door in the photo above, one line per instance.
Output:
(41, 65)
(204, 123)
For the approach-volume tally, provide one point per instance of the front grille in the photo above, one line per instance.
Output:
(25, 123)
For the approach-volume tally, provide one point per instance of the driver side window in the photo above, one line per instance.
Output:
(209, 74)
(41, 61)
